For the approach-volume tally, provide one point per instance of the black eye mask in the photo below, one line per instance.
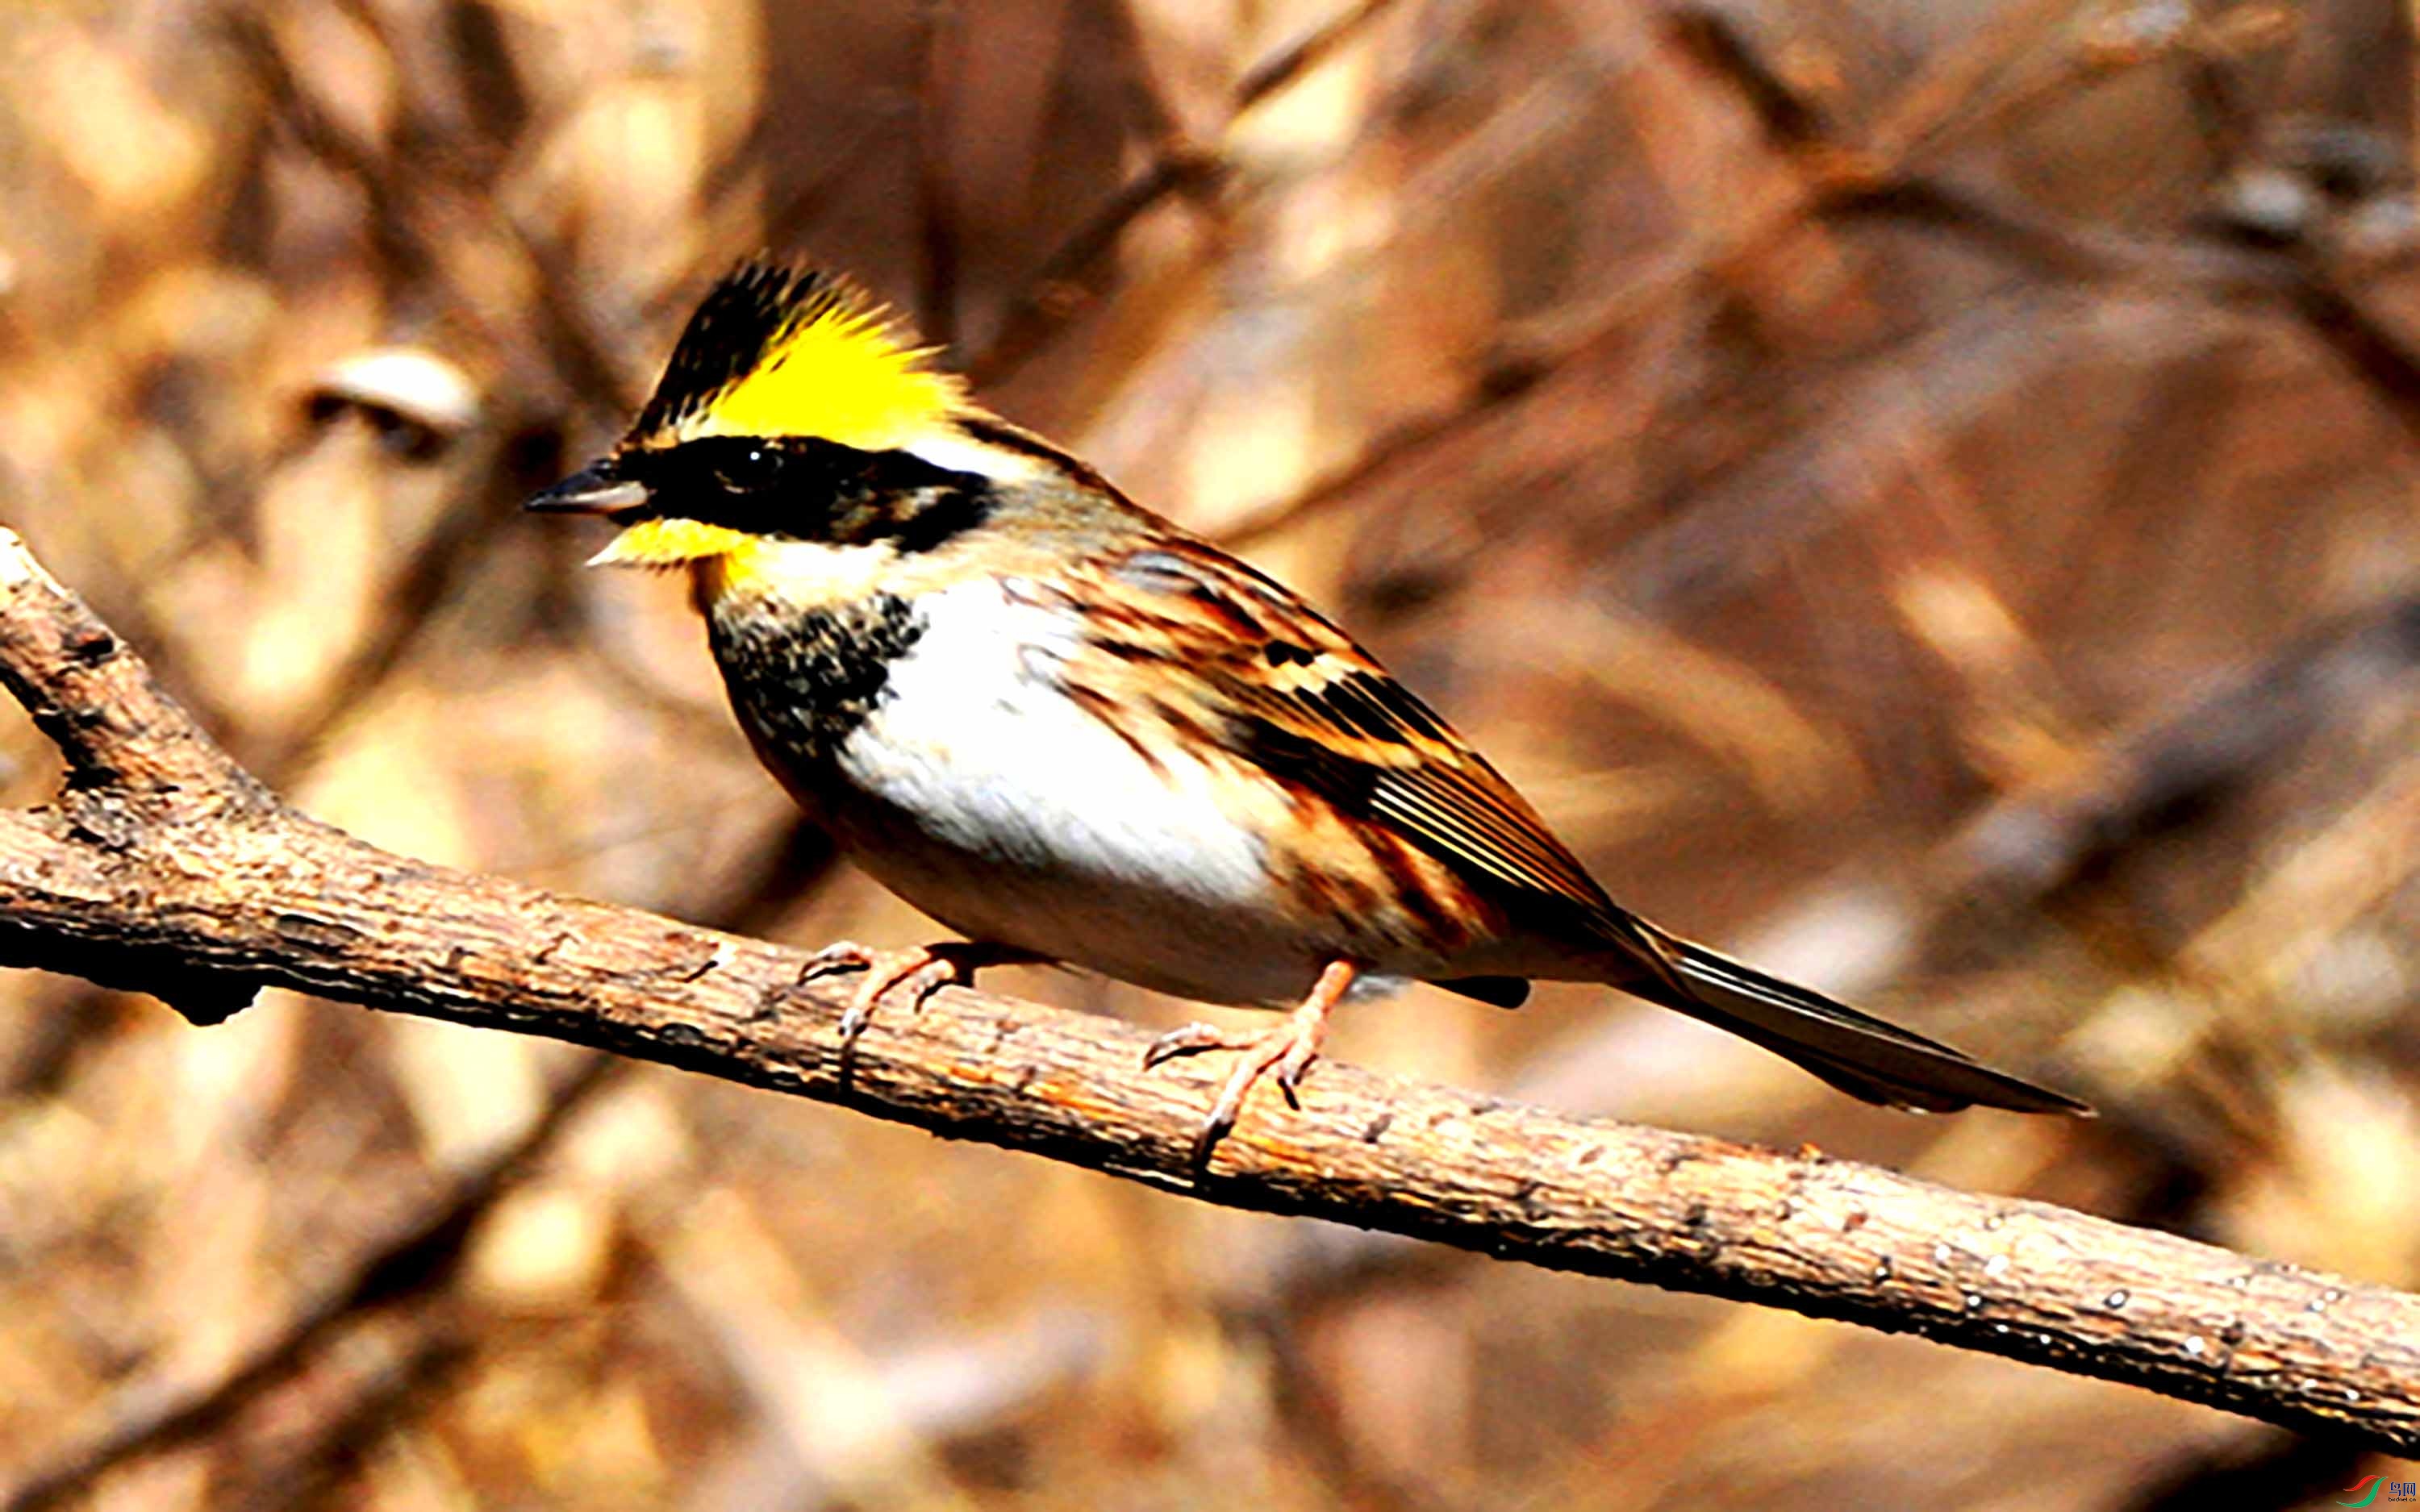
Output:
(806, 489)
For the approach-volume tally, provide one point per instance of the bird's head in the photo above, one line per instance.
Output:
(795, 409)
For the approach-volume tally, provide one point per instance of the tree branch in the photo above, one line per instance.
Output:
(165, 868)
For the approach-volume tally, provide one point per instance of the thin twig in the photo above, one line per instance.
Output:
(1177, 165)
(418, 1257)
(1883, 172)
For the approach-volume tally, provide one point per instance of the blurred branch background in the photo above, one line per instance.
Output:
(1920, 493)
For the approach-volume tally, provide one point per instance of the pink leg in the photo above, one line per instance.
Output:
(1288, 1050)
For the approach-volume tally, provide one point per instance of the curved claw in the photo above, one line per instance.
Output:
(1187, 1039)
(1296, 1060)
(1289, 1050)
(930, 977)
(1213, 1128)
(852, 1024)
(884, 970)
(841, 955)
(924, 969)
(1223, 1113)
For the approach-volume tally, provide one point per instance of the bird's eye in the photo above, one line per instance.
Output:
(745, 471)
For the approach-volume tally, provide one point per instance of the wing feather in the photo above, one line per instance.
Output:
(1285, 690)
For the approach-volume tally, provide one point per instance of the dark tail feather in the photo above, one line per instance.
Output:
(1858, 1052)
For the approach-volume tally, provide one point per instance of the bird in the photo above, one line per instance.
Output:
(1075, 734)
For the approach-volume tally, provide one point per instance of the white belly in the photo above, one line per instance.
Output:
(986, 798)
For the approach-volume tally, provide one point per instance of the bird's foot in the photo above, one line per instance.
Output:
(923, 969)
(1288, 1050)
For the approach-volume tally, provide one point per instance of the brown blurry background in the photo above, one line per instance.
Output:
(1920, 493)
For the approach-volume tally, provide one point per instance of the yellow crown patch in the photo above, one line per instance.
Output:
(776, 350)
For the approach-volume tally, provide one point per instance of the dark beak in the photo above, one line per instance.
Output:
(595, 489)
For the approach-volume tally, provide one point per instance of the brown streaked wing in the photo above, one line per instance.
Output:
(1240, 657)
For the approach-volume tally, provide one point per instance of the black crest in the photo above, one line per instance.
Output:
(745, 314)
